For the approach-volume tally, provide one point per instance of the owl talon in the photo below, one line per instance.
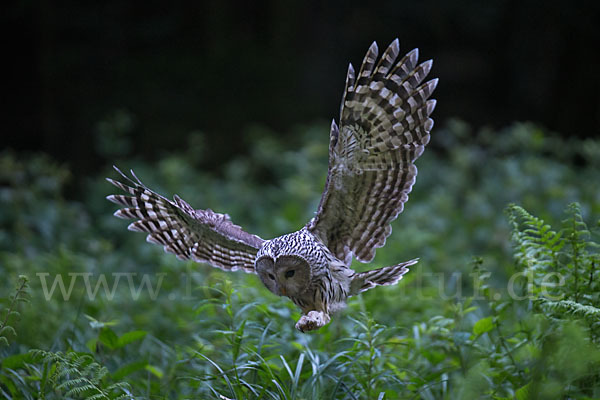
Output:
(312, 321)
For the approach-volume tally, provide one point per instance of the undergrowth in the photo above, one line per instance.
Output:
(501, 306)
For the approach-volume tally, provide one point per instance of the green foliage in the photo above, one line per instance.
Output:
(493, 310)
(571, 309)
(10, 314)
(75, 375)
(570, 257)
(53, 374)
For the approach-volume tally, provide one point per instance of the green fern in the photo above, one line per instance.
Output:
(537, 244)
(571, 254)
(11, 313)
(571, 308)
(77, 375)
(582, 259)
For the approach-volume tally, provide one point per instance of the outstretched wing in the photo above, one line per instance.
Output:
(199, 235)
(384, 127)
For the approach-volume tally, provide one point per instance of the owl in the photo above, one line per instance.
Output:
(384, 127)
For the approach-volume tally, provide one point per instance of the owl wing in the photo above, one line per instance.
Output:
(199, 235)
(384, 127)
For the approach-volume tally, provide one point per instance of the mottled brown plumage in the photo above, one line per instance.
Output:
(384, 127)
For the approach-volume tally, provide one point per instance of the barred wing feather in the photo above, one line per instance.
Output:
(384, 127)
(199, 235)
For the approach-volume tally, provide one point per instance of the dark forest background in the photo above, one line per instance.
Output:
(165, 70)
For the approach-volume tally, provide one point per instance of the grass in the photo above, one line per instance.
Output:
(503, 304)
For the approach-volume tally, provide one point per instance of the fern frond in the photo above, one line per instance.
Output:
(79, 376)
(571, 253)
(577, 225)
(537, 244)
(590, 313)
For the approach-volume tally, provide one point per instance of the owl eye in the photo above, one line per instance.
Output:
(271, 276)
(290, 273)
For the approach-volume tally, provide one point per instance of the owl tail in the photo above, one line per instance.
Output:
(382, 276)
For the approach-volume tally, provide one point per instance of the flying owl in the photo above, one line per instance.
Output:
(384, 127)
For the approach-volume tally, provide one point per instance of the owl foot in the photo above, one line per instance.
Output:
(312, 321)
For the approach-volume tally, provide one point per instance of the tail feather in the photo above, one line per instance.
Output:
(382, 276)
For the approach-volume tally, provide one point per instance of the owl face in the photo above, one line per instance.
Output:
(285, 276)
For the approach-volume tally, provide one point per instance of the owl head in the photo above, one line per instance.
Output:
(288, 275)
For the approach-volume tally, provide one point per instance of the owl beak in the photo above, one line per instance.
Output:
(283, 292)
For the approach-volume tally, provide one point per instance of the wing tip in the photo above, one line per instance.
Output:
(115, 183)
(433, 83)
(410, 262)
(334, 126)
(426, 66)
(430, 106)
(413, 55)
(120, 214)
(135, 227)
(368, 63)
(350, 78)
(117, 169)
(373, 48)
